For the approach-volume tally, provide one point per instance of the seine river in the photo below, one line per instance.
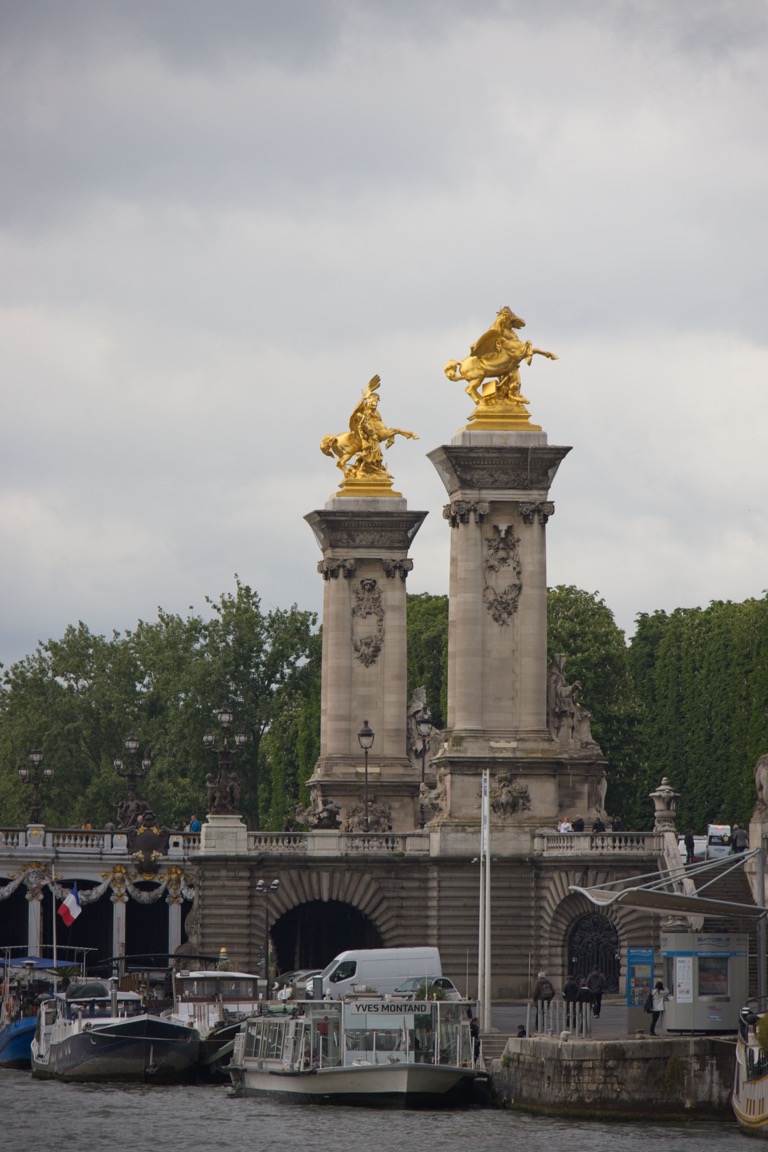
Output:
(105, 1118)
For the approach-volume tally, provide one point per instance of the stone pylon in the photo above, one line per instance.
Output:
(543, 762)
(365, 542)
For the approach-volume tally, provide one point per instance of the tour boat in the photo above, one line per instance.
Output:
(215, 1002)
(750, 1080)
(21, 983)
(361, 1050)
(94, 1032)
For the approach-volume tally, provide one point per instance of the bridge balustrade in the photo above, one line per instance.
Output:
(598, 843)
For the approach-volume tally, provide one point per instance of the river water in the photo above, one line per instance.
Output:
(110, 1118)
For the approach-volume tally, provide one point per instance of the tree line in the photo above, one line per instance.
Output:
(686, 698)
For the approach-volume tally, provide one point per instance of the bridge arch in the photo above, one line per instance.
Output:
(317, 914)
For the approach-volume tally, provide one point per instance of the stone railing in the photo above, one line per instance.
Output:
(84, 841)
(339, 843)
(598, 843)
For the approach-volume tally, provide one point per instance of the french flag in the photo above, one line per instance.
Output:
(71, 908)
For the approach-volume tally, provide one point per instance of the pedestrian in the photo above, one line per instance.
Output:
(194, 823)
(578, 824)
(617, 824)
(659, 994)
(570, 995)
(565, 825)
(596, 983)
(598, 825)
(474, 1031)
(543, 994)
(583, 997)
(521, 1031)
(739, 839)
(690, 847)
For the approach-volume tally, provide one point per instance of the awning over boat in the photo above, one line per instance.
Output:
(671, 903)
(658, 893)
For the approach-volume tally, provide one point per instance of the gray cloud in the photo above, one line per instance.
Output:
(219, 221)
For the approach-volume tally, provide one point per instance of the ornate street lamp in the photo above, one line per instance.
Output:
(264, 889)
(224, 792)
(365, 739)
(35, 776)
(132, 772)
(424, 728)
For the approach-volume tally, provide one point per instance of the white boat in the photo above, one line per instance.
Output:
(94, 1032)
(215, 1003)
(750, 1080)
(361, 1050)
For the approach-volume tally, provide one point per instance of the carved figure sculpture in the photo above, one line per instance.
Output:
(568, 721)
(498, 354)
(321, 816)
(358, 451)
(761, 781)
(416, 744)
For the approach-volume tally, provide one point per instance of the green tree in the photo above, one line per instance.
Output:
(702, 676)
(428, 652)
(582, 626)
(79, 697)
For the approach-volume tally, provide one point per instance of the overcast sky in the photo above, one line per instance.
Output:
(219, 220)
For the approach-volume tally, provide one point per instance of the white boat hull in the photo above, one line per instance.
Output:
(400, 1085)
(749, 1098)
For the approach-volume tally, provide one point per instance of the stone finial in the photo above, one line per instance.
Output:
(664, 799)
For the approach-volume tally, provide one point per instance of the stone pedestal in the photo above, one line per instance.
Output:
(365, 562)
(224, 835)
(498, 487)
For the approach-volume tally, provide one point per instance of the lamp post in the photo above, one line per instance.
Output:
(132, 772)
(264, 889)
(224, 794)
(36, 776)
(424, 728)
(365, 739)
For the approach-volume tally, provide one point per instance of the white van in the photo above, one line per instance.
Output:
(718, 841)
(382, 969)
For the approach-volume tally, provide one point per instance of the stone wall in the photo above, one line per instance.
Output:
(687, 1077)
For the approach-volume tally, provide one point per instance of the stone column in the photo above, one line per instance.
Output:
(365, 562)
(498, 485)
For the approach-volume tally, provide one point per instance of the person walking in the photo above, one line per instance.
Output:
(571, 995)
(690, 847)
(543, 994)
(660, 994)
(596, 983)
(739, 839)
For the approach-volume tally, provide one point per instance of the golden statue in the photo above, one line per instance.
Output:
(497, 357)
(358, 452)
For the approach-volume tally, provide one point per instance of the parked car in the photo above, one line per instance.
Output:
(414, 989)
(297, 981)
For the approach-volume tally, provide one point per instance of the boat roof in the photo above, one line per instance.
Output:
(96, 990)
(23, 961)
(216, 974)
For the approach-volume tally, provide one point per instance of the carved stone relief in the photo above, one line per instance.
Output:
(459, 511)
(542, 511)
(399, 568)
(368, 622)
(508, 797)
(331, 568)
(502, 561)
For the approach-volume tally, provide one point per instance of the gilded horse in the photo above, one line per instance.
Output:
(497, 354)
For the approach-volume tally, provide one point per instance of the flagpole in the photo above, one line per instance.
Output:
(487, 941)
(53, 915)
